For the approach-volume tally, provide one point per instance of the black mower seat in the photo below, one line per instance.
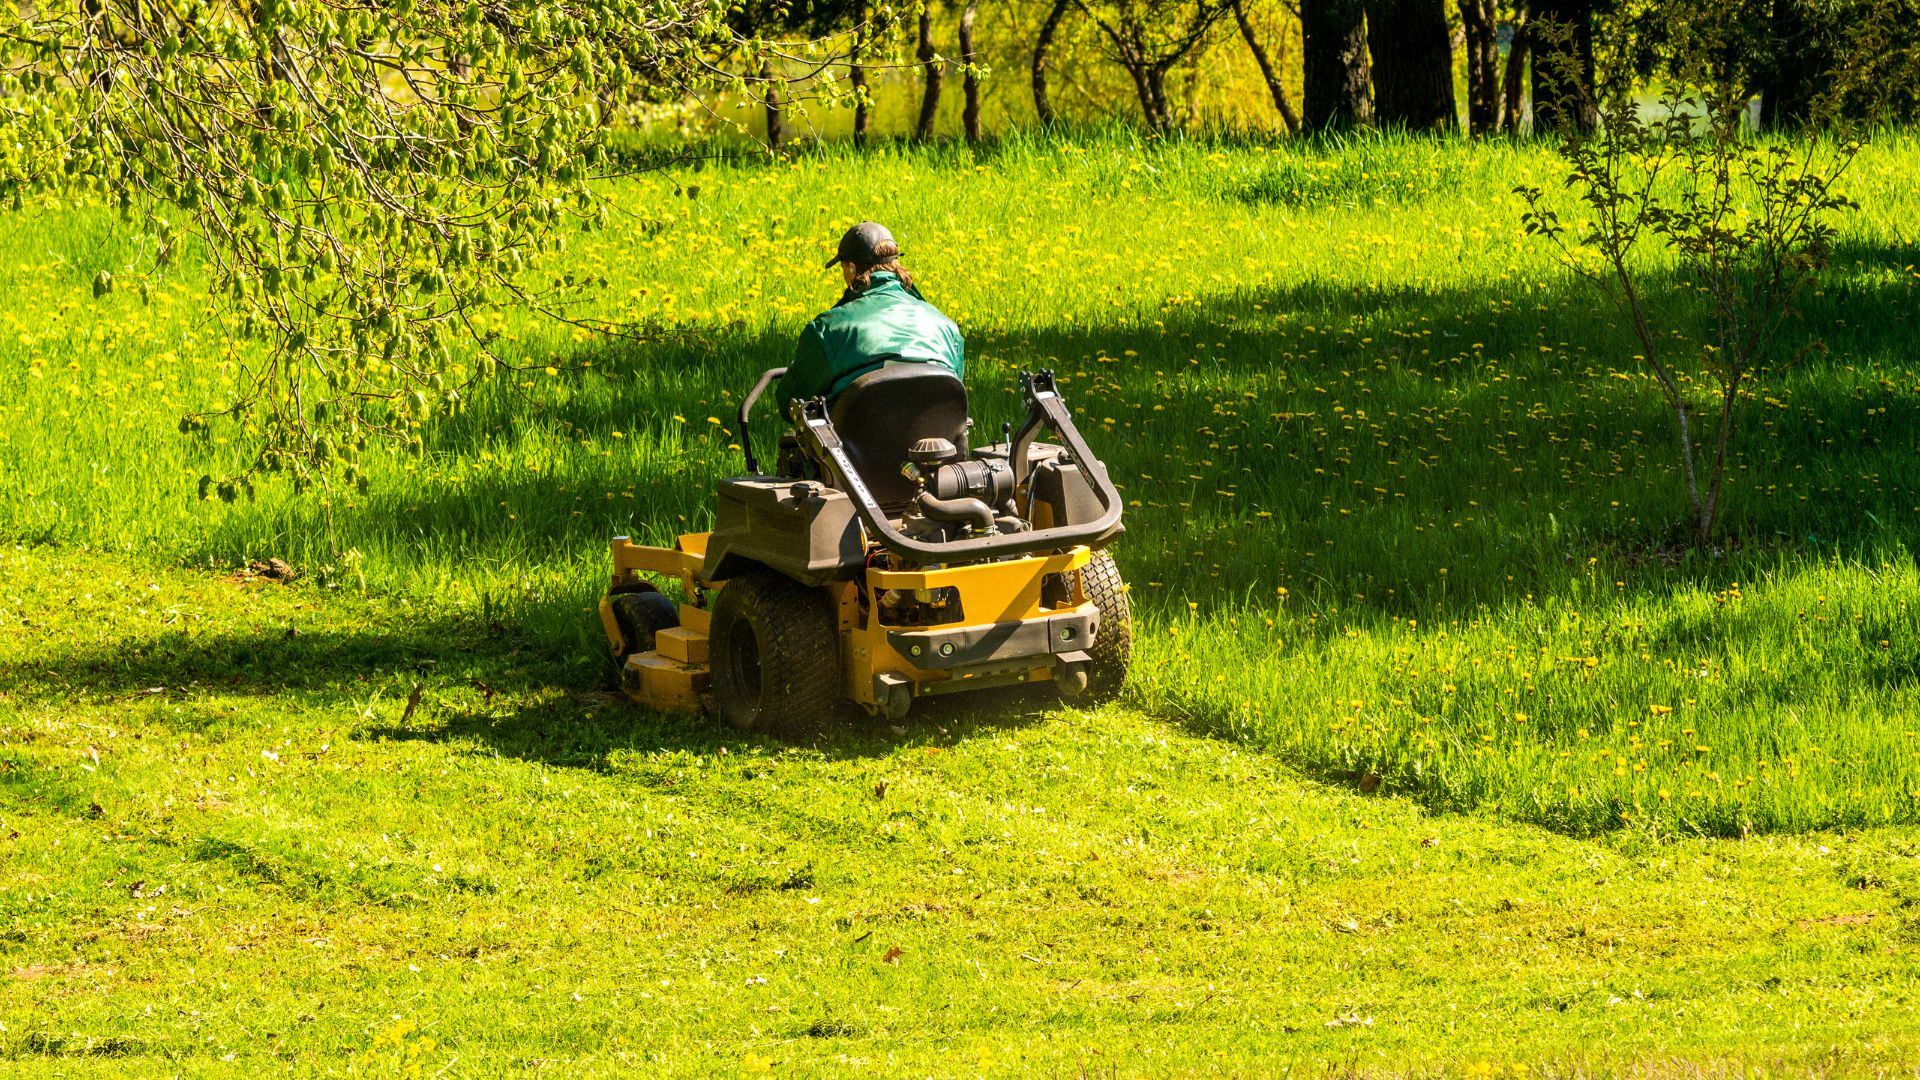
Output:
(883, 413)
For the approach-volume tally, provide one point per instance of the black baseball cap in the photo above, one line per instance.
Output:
(863, 245)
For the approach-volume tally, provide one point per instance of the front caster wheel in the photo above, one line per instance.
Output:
(640, 615)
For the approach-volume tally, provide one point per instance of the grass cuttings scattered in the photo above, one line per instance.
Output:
(231, 844)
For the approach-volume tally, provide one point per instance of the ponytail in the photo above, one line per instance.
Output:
(889, 253)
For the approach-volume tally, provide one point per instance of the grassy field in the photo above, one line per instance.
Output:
(231, 849)
(1401, 539)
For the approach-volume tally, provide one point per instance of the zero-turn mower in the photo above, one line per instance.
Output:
(885, 559)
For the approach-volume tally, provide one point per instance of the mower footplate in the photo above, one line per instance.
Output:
(673, 676)
(683, 644)
(660, 682)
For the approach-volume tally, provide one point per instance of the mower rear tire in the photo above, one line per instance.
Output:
(1100, 583)
(640, 615)
(775, 654)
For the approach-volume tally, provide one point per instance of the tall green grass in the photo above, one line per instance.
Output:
(1364, 429)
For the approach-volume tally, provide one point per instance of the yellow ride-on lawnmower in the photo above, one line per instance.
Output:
(886, 560)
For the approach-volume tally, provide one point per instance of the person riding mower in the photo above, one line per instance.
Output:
(886, 558)
(880, 321)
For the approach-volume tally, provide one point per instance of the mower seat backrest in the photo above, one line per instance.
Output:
(883, 413)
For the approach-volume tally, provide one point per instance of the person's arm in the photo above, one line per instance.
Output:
(809, 375)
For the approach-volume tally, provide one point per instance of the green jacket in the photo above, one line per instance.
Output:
(889, 321)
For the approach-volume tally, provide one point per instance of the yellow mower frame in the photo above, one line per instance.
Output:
(674, 676)
(915, 564)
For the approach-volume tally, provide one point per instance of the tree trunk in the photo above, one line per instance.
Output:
(1042, 55)
(1687, 457)
(934, 75)
(1788, 80)
(776, 111)
(970, 83)
(1160, 114)
(858, 76)
(1144, 90)
(1412, 64)
(1716, 479)
(1636, 309)
(1562, 34)
(1481, 28)
(1513, 87)
(1333, 57)
(1267, 71)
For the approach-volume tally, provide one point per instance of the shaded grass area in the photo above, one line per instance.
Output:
(231, 849)
(1363, 428)
(1785, 704)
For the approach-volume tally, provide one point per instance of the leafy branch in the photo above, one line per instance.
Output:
(362, 178)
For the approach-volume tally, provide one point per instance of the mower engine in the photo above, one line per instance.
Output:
(958, 497)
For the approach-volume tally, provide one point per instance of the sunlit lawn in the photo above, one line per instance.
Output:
(228, 850)
(1401, 504)
(1430, 712)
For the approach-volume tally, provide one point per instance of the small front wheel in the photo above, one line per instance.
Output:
(774, 652)
(641, 614)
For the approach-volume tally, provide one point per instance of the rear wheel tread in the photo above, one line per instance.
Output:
(1112, 650)
(798, 653)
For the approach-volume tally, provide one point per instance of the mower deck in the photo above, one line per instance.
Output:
(1009, 634)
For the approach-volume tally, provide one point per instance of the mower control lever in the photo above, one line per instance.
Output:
(746, 405)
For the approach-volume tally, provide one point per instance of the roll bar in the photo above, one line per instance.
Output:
(746, 405)
(1045, 409)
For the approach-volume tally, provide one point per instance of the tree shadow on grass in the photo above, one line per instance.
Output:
(1414, 452)
(1423, 451)
(279, 656)
(1417, 451)
(588, 730)
(497, 685)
